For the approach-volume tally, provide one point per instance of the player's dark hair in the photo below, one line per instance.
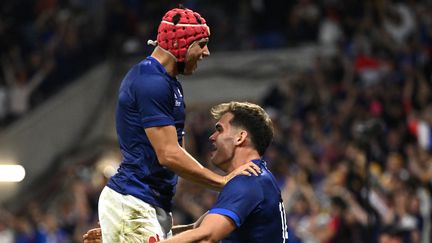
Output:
(250, 117)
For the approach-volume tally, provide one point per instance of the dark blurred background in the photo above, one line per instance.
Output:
(347, 84)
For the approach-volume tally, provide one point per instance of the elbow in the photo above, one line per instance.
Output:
(167, 155)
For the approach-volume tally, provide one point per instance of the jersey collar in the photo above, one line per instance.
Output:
(161, 67)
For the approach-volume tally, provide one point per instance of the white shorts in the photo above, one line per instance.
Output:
(124, 218)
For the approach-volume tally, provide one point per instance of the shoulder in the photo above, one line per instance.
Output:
(151, 66)
(151, 83)
(244, 185)
(147, 72)
(243, 179)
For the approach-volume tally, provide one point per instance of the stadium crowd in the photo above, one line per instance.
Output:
(353, 144)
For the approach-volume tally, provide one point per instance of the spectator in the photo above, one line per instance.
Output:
(21, 86)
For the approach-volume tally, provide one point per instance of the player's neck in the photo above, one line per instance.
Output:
(242, 157)
(167, 60)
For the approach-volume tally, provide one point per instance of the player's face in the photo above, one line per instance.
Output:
(197, 51)
(223, 142)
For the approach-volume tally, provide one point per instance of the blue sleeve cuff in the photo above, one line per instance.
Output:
(230, 214)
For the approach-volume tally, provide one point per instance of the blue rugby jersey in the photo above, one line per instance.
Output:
(254, 204)
(148, 97)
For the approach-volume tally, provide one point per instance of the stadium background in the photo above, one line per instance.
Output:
(347, 83)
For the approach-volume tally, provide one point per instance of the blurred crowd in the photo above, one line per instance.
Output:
(353, 143)
(352, 151)
(44, 44)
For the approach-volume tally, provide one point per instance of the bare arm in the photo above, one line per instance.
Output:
(177, 229)
(214, 228)
(174, 157)
(95, 235)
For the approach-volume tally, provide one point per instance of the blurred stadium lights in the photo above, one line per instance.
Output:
(11, 173)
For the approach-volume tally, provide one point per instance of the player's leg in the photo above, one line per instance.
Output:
(143, 221)
(110, 215)
(128, 219)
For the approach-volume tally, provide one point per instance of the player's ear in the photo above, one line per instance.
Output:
(241, 137)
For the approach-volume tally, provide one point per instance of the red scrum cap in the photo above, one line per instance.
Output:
(178, 29)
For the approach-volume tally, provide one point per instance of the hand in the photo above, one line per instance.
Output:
(247, 169)
(93, 236)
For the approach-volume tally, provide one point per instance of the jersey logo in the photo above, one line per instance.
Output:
(177, 101)
(180, 94)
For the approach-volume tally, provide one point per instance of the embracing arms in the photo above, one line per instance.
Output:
(171, 155)
(213, 228)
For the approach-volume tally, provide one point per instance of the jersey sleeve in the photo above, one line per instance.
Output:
(238, 199)
(154, 99)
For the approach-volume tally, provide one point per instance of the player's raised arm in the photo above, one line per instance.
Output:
(171, 155)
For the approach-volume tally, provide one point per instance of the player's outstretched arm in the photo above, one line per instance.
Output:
(214, 228)
(174, 157)
(198, 230)
(177, 229)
